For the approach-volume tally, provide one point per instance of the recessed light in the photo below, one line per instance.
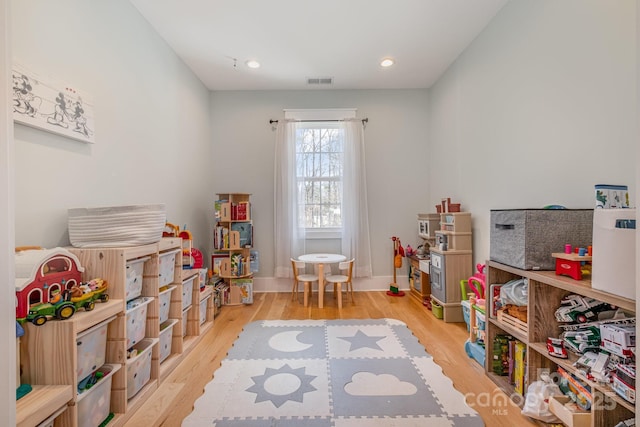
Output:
(252, 63)
(387, 62)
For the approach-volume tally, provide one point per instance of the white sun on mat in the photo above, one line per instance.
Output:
(370, 384)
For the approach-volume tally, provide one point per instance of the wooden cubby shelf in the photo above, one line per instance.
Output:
(545, 291)
(56, 376)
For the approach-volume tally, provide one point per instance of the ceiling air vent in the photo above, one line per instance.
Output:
(320, 80)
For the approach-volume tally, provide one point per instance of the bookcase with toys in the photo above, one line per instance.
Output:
(232, 243)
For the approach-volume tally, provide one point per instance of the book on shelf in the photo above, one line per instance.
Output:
(245, 230)
(246, 289)
(216, 260)
(520, 368)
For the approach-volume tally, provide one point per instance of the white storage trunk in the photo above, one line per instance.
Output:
(139, 367)
(137, 319)
(614, 253)
(91, 346)
(94, 403)
(164, 300)
(187, 292)
(166, 338)
(167, 267)
(133, 287)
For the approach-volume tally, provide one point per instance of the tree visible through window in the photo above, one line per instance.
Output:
(319, 168)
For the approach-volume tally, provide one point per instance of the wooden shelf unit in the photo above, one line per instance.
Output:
(545, 291)
(227, 218)
(110, 264)
(42, 403)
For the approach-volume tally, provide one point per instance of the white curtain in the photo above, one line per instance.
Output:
(355, 217)
(289, 238)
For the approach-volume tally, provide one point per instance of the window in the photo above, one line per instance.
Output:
(319, 171)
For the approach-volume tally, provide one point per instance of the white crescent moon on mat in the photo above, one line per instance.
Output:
(288, 342)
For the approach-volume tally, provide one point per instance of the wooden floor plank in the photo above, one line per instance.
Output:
(444, 341)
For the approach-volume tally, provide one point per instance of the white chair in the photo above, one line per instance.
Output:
(307, 279)
(345, 267)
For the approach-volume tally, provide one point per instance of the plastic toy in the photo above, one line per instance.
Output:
(44, 278)
(576, 308)
(477, 285)
(555, 347)
(398, 254)
(571, 264)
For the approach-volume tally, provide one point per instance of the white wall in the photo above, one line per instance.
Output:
(396, 157)
(7, 296)
(537, 110)
(151, 119)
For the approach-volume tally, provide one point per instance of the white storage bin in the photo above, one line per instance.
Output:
(133, 286)
(614, 253)
(203, 309)
(164, 300)
(185, 314)
(167, 267)
(203, 276)
(187, 292)
(91, 346)
(139, 367)
(166, 338)
(136, 319)
(94, 403)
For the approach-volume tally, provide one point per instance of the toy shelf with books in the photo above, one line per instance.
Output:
(232, 243)
(538, 332)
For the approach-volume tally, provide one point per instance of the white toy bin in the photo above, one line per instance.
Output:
(166, 338)
(187, 292)
(139, 367)
(136, 319)
(94, 403)
(133, 286)
(203, 309)
(167, 267)
(91, 346)
(185, 315)
(164, 300)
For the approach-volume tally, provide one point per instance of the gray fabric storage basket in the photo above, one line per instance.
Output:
(526, 238)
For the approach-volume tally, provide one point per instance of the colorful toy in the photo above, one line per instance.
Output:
(42, 277)
(398, 254)
(555, 348)
(571, 264)
(576, 308)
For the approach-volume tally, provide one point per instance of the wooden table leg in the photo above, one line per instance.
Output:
(320, 285)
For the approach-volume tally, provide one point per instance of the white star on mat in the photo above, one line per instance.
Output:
(297, 395)
(362, 340)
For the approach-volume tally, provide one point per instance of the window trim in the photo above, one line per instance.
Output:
(321, 115)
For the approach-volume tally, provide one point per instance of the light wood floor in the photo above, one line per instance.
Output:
(444, 341)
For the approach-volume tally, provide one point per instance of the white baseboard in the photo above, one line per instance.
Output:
(380, 283)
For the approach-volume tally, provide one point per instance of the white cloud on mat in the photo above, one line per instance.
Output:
(369, 384)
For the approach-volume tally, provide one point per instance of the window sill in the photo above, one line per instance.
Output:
(324, 234)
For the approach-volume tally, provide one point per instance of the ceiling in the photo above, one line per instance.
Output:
(295, 40)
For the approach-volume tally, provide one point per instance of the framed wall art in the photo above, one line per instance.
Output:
(51, 106)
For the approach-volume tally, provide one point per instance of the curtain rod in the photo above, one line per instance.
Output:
(365, 120)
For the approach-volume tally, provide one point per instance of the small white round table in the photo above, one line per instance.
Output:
(321, 260)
